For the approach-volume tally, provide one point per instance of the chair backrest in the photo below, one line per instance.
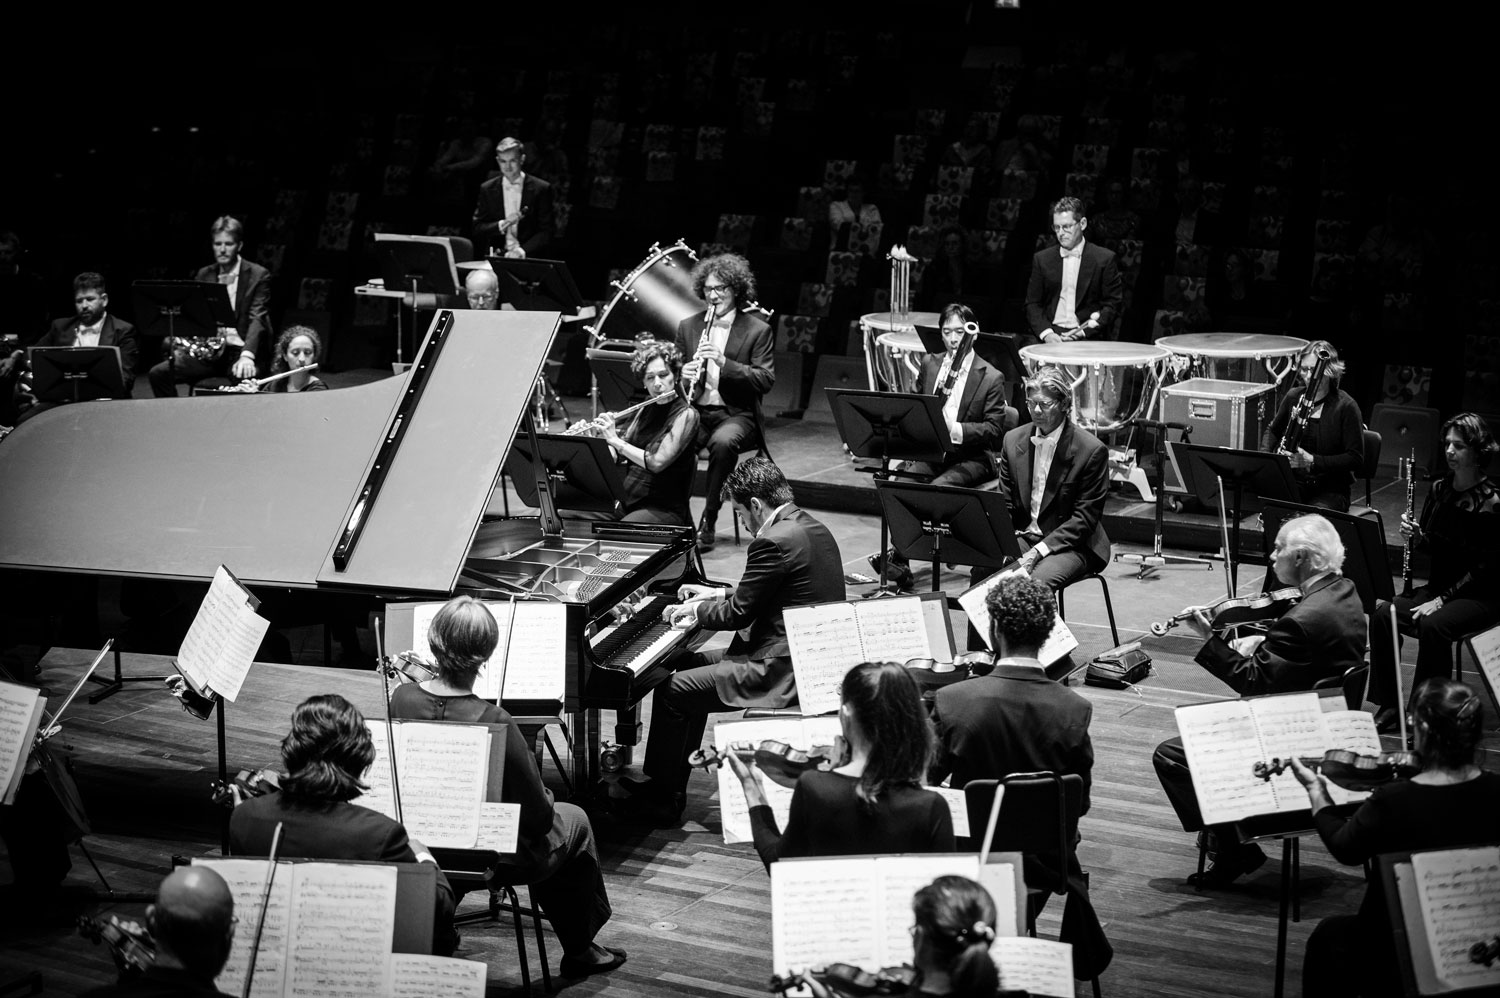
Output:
(1371, 463)
(1038, 815)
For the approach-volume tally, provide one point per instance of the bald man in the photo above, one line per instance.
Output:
(482, 289)
(192, 922)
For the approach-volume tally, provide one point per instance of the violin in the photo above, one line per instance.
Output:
(132, 946)
(1350, 770)
(1231, 610)
(245, 785)
(1486, 952)
(849, 981)
(407, 667)
(778, 760)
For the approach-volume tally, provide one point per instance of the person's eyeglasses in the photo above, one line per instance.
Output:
(1043, 405)
(715, 289)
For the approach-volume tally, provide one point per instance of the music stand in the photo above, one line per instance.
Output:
(582, 471)
(181, 308)
(1366, 562)
(1003, 352)
(536, 285)
(1414, 946)
(76, 374)
(1264, 473)
(615, 385)
(415, 264)
(943, 523)
(889, 426)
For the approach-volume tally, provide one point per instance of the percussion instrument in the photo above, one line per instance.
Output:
(652, 298)
(1254, 357)
(1113, 382)
(893, 350)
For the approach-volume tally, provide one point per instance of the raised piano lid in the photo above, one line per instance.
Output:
(171, 488)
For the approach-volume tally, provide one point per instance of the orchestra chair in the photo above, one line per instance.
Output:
(1109, 606)
(1368, 468)
(1353, 685)
(1038, 816)
(480, 869)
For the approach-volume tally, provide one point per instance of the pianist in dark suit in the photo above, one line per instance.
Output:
(513, 216)
(555, 851)
(326, 755)
(250, 294)
(793, 560)
(1075, 290)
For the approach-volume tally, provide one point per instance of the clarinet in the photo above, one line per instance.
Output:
(1411, 493)
(691, 389)
(1302, 411)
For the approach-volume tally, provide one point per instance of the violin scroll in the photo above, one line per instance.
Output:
(132, 946)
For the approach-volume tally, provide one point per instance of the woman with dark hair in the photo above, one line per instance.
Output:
(1460, 532)
(1451, 803)
(297, 347)
(555, 852)
(326, 754)
(875, 802)
(656, 445)
(1330, 448)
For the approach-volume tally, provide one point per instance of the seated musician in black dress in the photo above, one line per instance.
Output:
(1330, 448)
(1459, 530)
(876, 801)
(1320, 636)
(555, 851)
(656, 444)
(297, 347)
(1451, 803)
(326, 755)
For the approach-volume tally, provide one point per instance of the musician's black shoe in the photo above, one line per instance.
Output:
(1226, 867)
(706, 537)
(897, 571)
(601, 961)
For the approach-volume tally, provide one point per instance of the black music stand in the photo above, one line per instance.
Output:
(582, 471)
(1003, 352)
(536, 285)
(616, 386)
(1263, 473)
(76, 374)
(889, 426)
(943, 523)
(415, 264)
(181, 308)
(1409, 934)
(1156, 559)
(1366, 562)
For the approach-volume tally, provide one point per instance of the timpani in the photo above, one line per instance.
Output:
(893, 350)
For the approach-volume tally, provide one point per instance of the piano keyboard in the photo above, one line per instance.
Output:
(641, 641)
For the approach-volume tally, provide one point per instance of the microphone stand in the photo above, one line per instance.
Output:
(1149, 563)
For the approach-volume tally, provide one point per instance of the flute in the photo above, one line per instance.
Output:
(574, 431)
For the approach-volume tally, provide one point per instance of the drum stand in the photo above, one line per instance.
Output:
(1148, 563)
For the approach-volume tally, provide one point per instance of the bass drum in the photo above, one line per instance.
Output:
(652, 299)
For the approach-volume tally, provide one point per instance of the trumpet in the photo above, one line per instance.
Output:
(582, 427)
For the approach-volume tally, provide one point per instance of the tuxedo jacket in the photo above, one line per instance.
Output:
(252, 304)
(981, 408)
(1321, 636)
(1073, 499)
(749, 368)
(533, 231)
(794, 561)
(1099, 289)
(1015, 720)
(113, 333)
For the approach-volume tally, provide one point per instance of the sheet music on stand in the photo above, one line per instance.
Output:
(530, 659)
(216, 654)
(1059, 643)
(1485, 648)
(1442, 903)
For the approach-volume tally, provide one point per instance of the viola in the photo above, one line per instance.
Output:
(778, 760)
(1228, 611)
(245, 785)
(1350, 770)
(132, 946)
(849, 981)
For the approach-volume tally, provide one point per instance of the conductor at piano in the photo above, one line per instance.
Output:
(793, 560)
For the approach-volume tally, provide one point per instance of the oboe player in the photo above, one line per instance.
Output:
(1330, 446)
(731, 365)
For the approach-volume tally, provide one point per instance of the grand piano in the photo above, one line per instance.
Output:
(370, 494)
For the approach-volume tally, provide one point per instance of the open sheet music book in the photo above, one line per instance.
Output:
(530, 660)
(829, 639)
(1449, 901)
(1485, 647)
(219, 647)
(803, 733)
(21, 709)
(857, 910)
(314, 943)
(1224, 740)
(1059, 643)
(446, 771)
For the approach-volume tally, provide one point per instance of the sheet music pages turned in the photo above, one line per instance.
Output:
(444, 769)
(798, 732)
(829, 639)
(221, 644)
(892, 630)
(1355, 731)
(246, 879)
(1459, 895)
(898, 878)
(20, 715)
(415, 975)
(1486, 648)
(330, 954)
(1059, 643)
(1036, 966)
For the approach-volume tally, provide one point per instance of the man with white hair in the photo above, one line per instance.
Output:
(482, 289)
(1320, 636)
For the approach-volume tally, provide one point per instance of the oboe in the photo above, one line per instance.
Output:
(1411, 493)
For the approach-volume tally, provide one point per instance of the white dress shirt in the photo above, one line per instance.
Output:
(1043, 449)
(950, 404)
(231, 281)
(719, 337)
(88, 336)
(512, 194)
(1072, 259)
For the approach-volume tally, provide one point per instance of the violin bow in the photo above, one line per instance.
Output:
(49, 726)
(265, 903)
(390, 727)
(989, 828)
(510, 628)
